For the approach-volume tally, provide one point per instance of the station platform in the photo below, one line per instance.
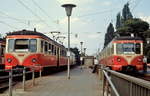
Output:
(82, 83)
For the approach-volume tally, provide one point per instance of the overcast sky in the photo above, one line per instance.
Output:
(89, 19)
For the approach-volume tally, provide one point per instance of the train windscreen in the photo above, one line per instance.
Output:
(128, 48)
(22, 45)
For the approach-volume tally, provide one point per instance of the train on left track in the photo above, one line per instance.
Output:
(34, 50)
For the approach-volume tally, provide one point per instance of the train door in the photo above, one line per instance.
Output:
(58, 56)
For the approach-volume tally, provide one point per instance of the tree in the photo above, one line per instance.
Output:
(109, 35)
(136, 26)
(118, 22)
(126, 12)
(124, 31)
(77, 55)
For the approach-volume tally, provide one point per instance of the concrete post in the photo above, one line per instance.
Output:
(10, 82)
(24, 78)
(33, 77)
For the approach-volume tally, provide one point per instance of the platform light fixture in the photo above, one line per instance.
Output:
(68, 8)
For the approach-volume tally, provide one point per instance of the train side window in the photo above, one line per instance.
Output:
(50, 46)
(42, 46)
(55, 51)
(65, 53)
(138, 48)
(49, 49)
(33, 45)
(52, 49)
(10, 45)
(112, 49)
(3, 50)
(46, 47)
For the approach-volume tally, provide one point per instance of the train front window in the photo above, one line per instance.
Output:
(33, 44)
(24, 45)
(21, 44)
(10, 45)
(128, 48)
(138, 48)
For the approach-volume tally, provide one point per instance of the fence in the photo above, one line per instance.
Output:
(22, 72)
(118, 84)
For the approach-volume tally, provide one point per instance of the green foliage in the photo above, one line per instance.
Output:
(135, 26)
(118, 22)
(109, 35)
(146, 34)
(77, 55)
(124, 31)
(126, 12)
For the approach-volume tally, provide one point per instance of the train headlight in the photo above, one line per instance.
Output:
(9, 60)
(33, 60)
(140, 60)
(118, 59)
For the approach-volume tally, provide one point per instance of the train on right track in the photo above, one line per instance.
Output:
(123, 54)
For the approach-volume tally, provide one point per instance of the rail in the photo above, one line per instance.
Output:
(119, 84)
(22, 72)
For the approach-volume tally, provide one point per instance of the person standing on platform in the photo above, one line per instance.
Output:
(145, 64)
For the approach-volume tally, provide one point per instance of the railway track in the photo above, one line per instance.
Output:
(144, 76)
(147, 78)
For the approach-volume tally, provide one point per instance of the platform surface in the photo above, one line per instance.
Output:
(82, 83)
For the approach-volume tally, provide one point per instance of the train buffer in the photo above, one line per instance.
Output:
(82, 83)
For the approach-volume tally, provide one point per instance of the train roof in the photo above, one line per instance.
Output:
(29, 32)
(127, 38)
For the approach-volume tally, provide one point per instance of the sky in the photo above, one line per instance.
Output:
(89, 19)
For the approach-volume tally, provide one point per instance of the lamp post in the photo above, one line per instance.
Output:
(84, 51)
(68, 8)
(81, 47)
(81, 58)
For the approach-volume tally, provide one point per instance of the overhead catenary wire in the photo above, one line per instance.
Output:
(96, 13)
(4, 15)
(12, 18)
(138, 2)
(42, 10)
(2, 22)
(33, 13)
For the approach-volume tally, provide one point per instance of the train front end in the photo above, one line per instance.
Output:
(128, 55)
(21, 51)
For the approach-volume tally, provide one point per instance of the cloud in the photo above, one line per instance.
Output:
(92, 36)
(146, 18)
(106, 3)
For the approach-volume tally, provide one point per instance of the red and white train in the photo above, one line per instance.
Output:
(2, 50)
(123, 54)
(32, 49)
